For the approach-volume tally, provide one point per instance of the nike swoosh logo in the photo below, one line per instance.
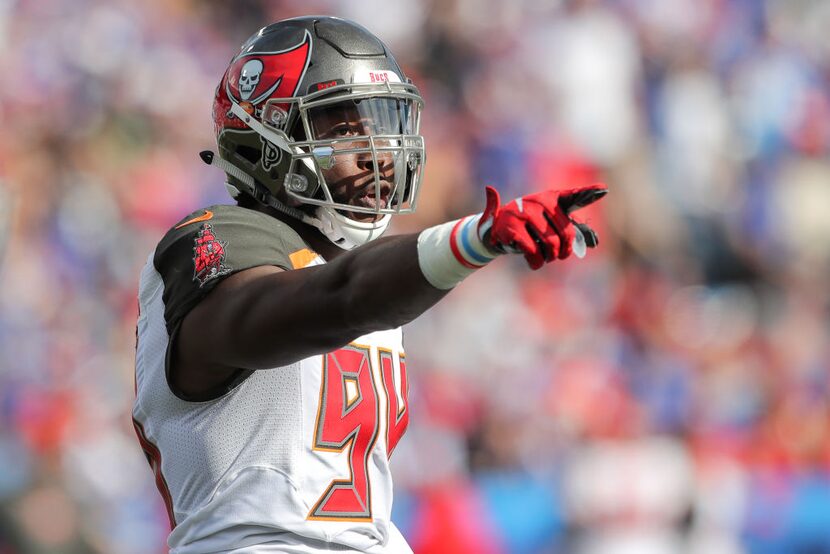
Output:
(204, 217)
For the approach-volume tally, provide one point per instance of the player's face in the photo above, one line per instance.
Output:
(351, 177)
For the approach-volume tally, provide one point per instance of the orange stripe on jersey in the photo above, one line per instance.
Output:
(302, 258)
(154, 457)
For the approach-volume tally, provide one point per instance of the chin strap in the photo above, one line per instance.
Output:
(259, 195)
(340, 230)
(348, 233)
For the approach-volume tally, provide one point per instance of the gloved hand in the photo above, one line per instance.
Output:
(538, 225)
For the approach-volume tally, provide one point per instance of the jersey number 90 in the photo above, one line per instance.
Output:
(349, 417)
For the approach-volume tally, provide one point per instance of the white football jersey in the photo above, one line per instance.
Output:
(294, 459)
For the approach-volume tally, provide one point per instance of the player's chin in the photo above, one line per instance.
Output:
(371, 204)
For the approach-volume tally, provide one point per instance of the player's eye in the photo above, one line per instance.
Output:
(342, 130)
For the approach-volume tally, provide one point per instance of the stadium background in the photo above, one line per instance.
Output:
(667, 394)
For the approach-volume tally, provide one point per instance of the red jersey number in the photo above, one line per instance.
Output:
(349, 418)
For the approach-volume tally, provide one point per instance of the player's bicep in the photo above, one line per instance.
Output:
(258, 318)
(206, 339)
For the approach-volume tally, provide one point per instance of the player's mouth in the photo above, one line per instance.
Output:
(370, 197)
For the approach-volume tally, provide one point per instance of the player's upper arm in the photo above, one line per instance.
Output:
(261, 318)
(206, 263)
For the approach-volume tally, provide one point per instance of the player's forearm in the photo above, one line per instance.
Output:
(393, 280)
(382, 285)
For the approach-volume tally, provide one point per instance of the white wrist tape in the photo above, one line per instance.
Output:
(450, 252)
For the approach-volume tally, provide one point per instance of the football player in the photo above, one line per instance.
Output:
(270, 375)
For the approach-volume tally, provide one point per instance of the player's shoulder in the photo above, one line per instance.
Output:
(218, 240)
(210, 244)
(242, 223)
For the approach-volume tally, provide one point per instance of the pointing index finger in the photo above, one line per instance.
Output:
(579, 198)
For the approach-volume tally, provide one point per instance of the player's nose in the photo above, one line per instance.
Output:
(366, 162)
(383, 163)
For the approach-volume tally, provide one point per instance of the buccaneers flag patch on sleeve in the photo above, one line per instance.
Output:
(208, 256)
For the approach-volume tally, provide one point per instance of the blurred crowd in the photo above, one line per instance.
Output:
(669, 393)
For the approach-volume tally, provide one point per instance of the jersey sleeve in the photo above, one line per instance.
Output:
(212, 244)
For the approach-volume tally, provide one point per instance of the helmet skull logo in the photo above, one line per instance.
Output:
(249, 78)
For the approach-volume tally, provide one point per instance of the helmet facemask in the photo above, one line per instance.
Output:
(355, 148)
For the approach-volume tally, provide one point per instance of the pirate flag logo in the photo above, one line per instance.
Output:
(208, 256)
(253, 78)
(256, 76)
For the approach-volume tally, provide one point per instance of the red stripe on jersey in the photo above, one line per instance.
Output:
(154, 457)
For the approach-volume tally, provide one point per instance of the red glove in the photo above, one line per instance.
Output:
(538, 225)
